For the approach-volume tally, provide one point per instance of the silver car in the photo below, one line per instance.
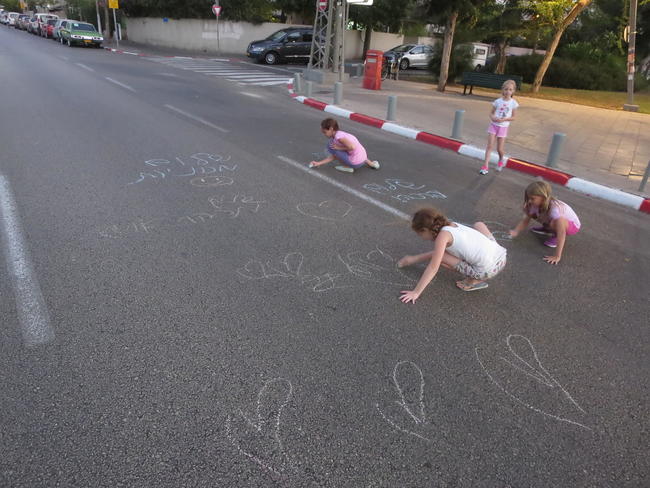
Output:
(410, 55)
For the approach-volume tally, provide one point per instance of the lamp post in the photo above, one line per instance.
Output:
(630, 106)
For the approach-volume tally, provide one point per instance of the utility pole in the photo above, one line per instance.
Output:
(631, 35)
(99, 17)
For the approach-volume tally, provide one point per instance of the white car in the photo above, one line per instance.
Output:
(410, 55)
(11, 18)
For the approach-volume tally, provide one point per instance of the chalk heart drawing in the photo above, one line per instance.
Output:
(211, 181)
(409, 386)
(375, 265)
(501, 232)
(531, 370)
(332, 210)
(258, 436)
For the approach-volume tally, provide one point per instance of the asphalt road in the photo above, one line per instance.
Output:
(224, 317)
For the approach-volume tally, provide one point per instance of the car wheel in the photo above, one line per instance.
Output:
(404, 64)
(271, 58)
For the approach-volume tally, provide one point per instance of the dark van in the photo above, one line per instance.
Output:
(293, 43)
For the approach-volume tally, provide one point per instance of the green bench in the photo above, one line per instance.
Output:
(486, 80)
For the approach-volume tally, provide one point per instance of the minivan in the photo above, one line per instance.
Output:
(293, 43)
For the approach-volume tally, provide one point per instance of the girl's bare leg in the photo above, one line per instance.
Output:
(501, 143)
(488, 150)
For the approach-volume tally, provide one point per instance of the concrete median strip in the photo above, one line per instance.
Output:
(559, 177)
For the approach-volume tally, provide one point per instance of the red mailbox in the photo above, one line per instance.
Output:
(372, 69)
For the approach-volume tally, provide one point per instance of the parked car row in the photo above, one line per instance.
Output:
(50, 26)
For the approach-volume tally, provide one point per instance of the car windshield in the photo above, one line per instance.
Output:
(51, 22)
(83, 27)
(277, 36)
(402, 49)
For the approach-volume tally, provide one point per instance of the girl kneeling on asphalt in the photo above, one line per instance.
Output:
(343, 147)
(472, 251)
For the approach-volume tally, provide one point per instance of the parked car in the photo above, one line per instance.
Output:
(48, 28)
(80, 33)
(57, 27)
(21, 21)
(32, 25)
(293, 43)
(41, 21)
(410, 55)
(11, 18)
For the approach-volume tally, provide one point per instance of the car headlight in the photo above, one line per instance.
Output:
(256, 49)
(75, 36)
(98, 38)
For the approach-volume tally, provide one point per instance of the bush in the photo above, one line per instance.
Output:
(461, 60)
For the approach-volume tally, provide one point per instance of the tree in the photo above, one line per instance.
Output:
(449, 12)
(561, 14)
(499, 23)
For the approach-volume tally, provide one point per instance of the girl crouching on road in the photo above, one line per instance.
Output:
(472, 251)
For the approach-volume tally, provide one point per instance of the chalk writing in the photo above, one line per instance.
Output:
(391, 186)
(410, 404)
(376, 265)
(290, 267)
(231, 206)
(211, 181)
(198, 164)
(328, 210)
(535, 371)
(259, 438)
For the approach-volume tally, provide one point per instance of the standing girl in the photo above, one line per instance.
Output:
(472, 251)
(503, 112)
(344, 147)
(557, 218)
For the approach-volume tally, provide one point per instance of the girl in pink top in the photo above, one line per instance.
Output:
(557, 218)
(343, 147)
(503, 112)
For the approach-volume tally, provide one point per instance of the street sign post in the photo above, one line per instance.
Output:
(114, 4)
(216, 10)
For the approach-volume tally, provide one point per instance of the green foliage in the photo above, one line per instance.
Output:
(11, 5)
(382, 15)
(255, 11)
(461, 60)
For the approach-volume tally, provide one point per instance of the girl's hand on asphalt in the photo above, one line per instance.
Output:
(409, 296)
(313, 164)
(405, 261)
(513, 233)
(552, 259)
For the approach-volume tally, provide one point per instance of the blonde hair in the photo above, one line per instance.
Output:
(509, 82)
(429, 219)
(539, 189)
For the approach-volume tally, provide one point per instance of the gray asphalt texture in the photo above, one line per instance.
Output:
(248, 334)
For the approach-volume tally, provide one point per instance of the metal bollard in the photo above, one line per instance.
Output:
(297, 83)
(338, 93)
(554, 152)
(644, 180)
(392, 107)
(456, 132)
(309, 87)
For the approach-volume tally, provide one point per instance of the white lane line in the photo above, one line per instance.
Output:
(252, 76)
(81, 65)
(268, 83)
(120, 84)
(198, 119)
(33, 315)
(254, 95)
(351, 191)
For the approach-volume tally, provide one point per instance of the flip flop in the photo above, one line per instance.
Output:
(474, 287)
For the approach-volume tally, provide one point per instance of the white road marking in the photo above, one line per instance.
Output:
(254, 95)
(351, 191)
(268, 83)
(250, 75)
(33, 315)
(227, 73)
(120, 84)
(88, 68)
(198, 119)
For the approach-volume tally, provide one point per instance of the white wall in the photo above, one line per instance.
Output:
(234, 37)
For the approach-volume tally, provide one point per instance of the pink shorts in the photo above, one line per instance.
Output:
(572, 228)
(497, 130)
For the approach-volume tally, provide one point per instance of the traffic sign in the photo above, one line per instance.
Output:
(322, 5)
(216, 9)
(113, 4)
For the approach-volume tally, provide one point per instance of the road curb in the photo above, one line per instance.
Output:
(559, 177)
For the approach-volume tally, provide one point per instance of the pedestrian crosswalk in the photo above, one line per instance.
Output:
(226, 69)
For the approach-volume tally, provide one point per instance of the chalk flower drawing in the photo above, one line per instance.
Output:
(259, 438)
(536, 372)
(410, 404)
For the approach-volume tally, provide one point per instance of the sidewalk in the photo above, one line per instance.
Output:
(608, 147)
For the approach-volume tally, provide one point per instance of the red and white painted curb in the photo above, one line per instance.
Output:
(561, 178)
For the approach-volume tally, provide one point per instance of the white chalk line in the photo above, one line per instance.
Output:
(418, 420)
(118, 83)
(351, 191)
(197, 119)
(561, 419)
(33, 315)
(397, 427)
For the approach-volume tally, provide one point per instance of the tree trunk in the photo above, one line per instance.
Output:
(450, 27)
(107, 22)
(501, 54)
(550, 50)
(367, 36)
